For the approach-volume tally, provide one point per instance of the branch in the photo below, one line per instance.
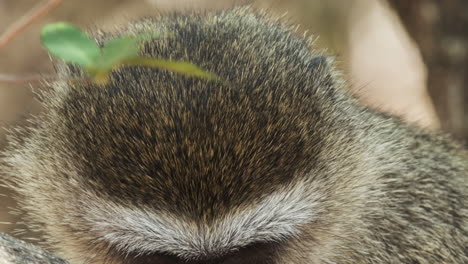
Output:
(37, 12)
(23, 78)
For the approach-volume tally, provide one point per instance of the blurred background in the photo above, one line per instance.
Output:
(408, 58)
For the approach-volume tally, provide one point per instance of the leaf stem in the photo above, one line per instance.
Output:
(183, 67)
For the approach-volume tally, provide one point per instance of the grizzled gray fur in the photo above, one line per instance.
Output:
(277, 163)
(14, 251)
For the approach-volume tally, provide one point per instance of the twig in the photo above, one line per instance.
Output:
(23, 78)
(21, 24)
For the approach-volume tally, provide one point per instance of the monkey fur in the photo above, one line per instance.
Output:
(277, 163)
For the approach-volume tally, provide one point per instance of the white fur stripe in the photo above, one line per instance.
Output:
(141, 230)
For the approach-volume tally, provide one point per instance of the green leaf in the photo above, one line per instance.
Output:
(70, 44)
(121, 49)
(117, 50)
(183, 67)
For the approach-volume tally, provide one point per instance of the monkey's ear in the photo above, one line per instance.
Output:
(321, 67)
(322, 75)
(321, 64)
(317, 61)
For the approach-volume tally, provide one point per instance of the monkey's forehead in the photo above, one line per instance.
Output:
(194, 154)
(201, 145)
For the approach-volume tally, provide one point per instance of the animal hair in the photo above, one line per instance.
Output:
(276, 162)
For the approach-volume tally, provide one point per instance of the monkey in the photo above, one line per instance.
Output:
(278, 163)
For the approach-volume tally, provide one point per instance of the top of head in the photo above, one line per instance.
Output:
(179, 158)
